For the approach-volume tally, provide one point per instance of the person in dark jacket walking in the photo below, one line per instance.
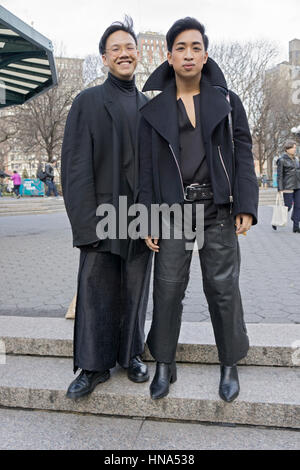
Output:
(49, 180)
(186, 158)
(99, 164)
(288, 181)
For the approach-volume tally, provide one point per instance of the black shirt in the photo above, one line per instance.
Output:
(193, 163)
(127, 97)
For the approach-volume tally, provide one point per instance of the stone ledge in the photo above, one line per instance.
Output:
(271, 344)
(269, 396)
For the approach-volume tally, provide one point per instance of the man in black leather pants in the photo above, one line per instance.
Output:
(186, 157)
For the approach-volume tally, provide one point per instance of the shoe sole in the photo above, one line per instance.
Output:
(232, 398)
(101, 380)
(160, 396)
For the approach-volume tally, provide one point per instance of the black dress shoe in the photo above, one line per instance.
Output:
(274, 227)
(85, 383)
(296, 228)
(229, 383)
(137, 370)
(165, 375)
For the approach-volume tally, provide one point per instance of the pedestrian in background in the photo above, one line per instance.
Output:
(17, 180)
(288, 181)
(264, 181)
(49, 181)
(2, 176)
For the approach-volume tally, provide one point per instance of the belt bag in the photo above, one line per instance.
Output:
(198, 192)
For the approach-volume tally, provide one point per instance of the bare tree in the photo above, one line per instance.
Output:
(92, 68)
(247, 70)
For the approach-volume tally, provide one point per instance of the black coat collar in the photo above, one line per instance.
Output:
(164, 74)
(161, 111)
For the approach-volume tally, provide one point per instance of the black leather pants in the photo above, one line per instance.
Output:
(220, 265)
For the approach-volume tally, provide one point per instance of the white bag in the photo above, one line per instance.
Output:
(280, 212)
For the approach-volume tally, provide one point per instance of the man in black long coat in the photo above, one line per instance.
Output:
(196, 150)
(99, 164)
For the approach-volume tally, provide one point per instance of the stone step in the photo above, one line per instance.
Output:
(271, 344)
(50, 430)
(267, 197)
(24, 212)
(24, 200)
(27, 208)
(269, 396)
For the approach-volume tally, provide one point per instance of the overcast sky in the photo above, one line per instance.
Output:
(78, 24)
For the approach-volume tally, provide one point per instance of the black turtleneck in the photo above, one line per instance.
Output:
(125, 86)
(127, 98)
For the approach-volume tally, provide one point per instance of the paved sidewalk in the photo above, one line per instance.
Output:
(40, 430)
(38, 270)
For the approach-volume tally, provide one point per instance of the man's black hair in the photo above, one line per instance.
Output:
(126, 25)
(183, 25)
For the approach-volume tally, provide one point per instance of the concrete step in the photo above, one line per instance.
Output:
(28, 212)
(50, 430)
(271, 344)
(267, 197)
(27, 207)
(24, 207)
(269, 396)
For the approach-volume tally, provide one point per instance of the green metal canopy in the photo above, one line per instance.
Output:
(27, 65)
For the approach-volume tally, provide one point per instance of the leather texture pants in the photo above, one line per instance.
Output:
(220, 265)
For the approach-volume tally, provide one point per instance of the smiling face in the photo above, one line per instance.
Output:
(188, 54)
(121, 55)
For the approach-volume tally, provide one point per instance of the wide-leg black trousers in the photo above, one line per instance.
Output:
(112, 298)
(220, 265)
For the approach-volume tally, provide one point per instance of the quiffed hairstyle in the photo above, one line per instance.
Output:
(289, 144)
(126, 26)
(183, 25)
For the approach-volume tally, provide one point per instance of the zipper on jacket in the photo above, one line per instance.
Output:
(227, 176)
(178, 170)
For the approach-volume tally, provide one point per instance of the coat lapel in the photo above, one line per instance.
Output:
(214, 107)
(112, 107)
(161, 113)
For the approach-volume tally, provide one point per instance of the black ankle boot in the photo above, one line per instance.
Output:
(164, 375)
(229, 383)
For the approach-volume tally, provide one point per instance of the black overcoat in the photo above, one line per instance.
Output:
(232, 175)
(92, 161)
